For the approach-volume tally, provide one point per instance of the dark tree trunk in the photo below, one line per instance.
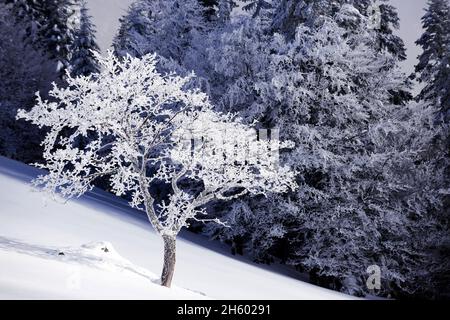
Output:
(169, 260)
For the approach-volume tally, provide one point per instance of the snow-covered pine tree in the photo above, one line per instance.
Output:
(366, 194)
(388, 23)
(155, 129)
(380, 16)
(225, 9)
(151, 25)
(257, 7)
(57, 33)
(49, 25)
(238, 57)
(433, 69)
(210, 9)
(133, 30)
(83, 60)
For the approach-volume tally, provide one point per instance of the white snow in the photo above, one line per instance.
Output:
(51, 250)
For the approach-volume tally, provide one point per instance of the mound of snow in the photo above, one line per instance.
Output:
(102, 255)
(92, 271)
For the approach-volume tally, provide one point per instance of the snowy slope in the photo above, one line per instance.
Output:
(52, 250)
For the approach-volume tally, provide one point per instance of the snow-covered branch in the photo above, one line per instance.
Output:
(143, 128)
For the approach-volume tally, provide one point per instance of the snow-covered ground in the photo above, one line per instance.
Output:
(96, 247)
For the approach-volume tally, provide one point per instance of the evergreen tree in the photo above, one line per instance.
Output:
(170, 28)
(49, 26)
(218, 10)
(225, 9)
(83, 61)
(57, 33)
(433, 69)
(210, 8)
(257, 6)
(382, 18)
(134, 27)
(238, 58)
(388, 22)
(367, 195)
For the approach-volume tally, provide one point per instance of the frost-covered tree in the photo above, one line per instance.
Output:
(147, 129)
(224, 10)
(210, 8)
(257, 7)
(170, 28)
(83, 60)
(48, 25)
(433, 69)
(389, 22)
(238, 52)
(379, 16)
(366, 195)
(237, 59)
(134, 27)
(57, 32)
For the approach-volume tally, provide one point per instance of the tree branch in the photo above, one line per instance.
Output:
(148, 202)
(203, 198)
(175, 179)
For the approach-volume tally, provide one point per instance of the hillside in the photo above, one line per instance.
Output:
(98, 248)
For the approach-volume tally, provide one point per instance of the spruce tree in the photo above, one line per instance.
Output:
(170, 28)
(83, 61)
(133, 30)
(367, 195)
(256, 6)
(48, 25)
(210, 8)
(289, 14)
(433, 69)
(57, 33)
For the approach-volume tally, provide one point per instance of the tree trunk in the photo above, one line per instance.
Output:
(169, 260)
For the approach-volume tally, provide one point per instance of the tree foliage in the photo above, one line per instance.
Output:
(141, 125)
